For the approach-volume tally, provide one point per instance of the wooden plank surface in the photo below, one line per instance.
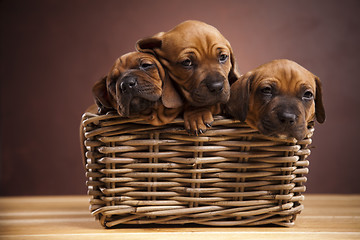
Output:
(68, 217)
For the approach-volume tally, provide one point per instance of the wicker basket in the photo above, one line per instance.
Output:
(230, 176)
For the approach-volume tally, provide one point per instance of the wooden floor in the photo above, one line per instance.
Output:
(67, 217)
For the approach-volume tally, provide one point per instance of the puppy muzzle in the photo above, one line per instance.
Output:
(134, 95)
(214, 82)
(283, 124)
(128, 84)
(213, 89)
(287, 119)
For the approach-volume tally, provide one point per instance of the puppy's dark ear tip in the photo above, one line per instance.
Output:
(242, 119)
(321, 119)
(236, 114)
(238, 117)
(320, 116)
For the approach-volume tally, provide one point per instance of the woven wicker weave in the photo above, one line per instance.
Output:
(229, 176)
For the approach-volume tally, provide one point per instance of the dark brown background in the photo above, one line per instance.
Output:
(53, 51)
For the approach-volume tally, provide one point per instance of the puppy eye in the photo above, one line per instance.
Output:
(308, 95)
(146, 65)
(223, 58)
(187, 63)
(266, 90)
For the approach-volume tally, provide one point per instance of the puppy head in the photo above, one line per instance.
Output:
(279, 98)
(198, 59)
(132, 87)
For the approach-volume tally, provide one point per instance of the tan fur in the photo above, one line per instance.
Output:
(289, 83)
(149, 80)
(204, 48)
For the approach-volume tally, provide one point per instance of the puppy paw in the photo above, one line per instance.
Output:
(197, 121)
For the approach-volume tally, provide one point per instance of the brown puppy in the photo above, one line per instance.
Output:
(200, 63)
(279, 98)
(134, 88)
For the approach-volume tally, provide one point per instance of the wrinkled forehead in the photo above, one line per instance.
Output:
(286, 76)
(202, 37)
(133, 59)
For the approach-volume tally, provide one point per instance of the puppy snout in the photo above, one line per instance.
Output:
(128, 83)
(214, 82)
(287, 118)
(215, 86)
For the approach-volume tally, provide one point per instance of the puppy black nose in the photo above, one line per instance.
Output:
(215, 86)
(287, 118)
(128, 83)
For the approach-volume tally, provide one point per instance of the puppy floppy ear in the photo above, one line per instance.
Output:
(148, 45)
(319, 106)
(101, 96)
(238, 104)
(234, 73)
(170, 97)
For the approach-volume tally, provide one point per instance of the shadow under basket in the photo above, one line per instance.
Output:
(230, 176)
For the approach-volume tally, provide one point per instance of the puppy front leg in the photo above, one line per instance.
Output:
(198, 119)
